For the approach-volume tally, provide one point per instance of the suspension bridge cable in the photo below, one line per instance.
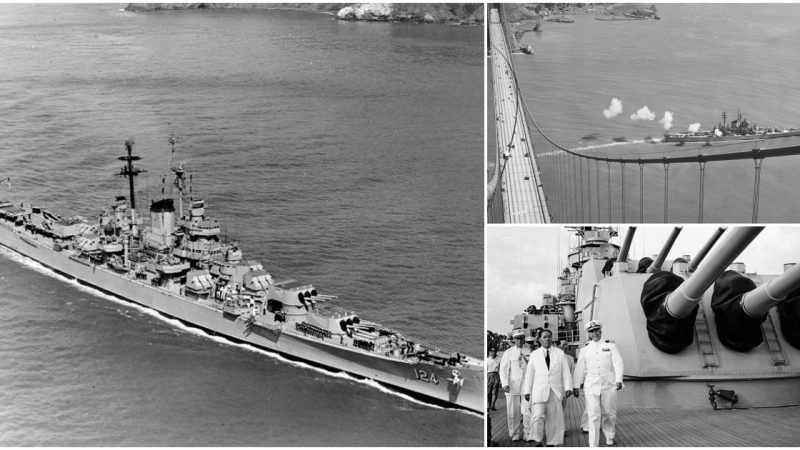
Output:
(702, 189)
(666, 190)
(756, 185)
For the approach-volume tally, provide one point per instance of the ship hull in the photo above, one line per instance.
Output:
(701, 138)
(422, 379)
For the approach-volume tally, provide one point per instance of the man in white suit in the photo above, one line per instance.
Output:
(547, 381)
(512, 375)
(599, 369)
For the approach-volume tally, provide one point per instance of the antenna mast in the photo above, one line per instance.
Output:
(180, 174)
(128, 170)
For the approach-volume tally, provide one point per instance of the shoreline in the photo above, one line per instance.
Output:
(423, 13)
(522, 19)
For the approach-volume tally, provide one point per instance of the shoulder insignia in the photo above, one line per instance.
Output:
(610, 341)
(587, 343)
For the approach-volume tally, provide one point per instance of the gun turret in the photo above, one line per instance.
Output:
(684, 299)
(656, 265)
(740, 307)
(670, 303)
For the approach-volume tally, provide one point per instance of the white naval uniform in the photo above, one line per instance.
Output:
(599, 368)
(512, 374)
(525, 405)
(547, 386)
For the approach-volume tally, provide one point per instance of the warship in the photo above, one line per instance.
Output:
(177, 262)
(739, 129)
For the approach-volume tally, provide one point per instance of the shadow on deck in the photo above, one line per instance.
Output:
(654, 427)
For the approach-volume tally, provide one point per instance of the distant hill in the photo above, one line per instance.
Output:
(463, 13)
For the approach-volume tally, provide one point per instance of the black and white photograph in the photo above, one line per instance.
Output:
(643, 113)
(242, 225)
(642, 336)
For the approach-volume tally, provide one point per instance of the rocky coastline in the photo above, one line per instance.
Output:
(523, 18)
(446, 13)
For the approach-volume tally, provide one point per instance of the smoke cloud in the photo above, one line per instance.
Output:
(666, 121)
(613, 109)
(643, 114)
(694, 128)
(717, 132)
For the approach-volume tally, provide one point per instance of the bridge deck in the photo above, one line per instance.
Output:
(523, 195)
(655, 427)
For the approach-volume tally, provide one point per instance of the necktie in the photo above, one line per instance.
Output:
(547, 358)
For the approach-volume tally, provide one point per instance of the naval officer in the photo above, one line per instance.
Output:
(512, 373)
(547, 380)
(524, 402)
(599, 369)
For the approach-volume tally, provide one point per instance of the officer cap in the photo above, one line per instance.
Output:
(593, 325)
(517, 334)
(530, 339)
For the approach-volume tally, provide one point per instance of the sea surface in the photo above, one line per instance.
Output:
(698, 61)
(345, 154)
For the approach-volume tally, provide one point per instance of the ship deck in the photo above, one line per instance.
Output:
(654, 427)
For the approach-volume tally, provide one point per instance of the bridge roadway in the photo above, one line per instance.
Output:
(520, 181)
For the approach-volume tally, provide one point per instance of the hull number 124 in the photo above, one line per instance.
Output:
(423, 375)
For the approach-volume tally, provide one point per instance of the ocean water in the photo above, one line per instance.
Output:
(341, 153)
(698, 61)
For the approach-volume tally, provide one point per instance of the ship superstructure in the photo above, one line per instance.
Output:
(177, 263)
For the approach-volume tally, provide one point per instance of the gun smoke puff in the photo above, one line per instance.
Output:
(643, 114)
(614, 109)
(666, 122)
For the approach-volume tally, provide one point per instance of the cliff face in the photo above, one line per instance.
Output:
(464, 13)
(414, 12)
(514, 12)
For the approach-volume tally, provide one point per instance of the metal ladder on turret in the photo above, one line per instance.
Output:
(773, 343)
(703, 338)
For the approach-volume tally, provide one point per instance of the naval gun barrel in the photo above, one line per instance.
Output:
(703, 251)
(757, 302)
(626, 246)
(682, 301)
(662, 255)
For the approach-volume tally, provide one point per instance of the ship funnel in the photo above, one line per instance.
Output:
(626, 246)
(659, 260)
(683, 300)
(757, 302)
(704, 251)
